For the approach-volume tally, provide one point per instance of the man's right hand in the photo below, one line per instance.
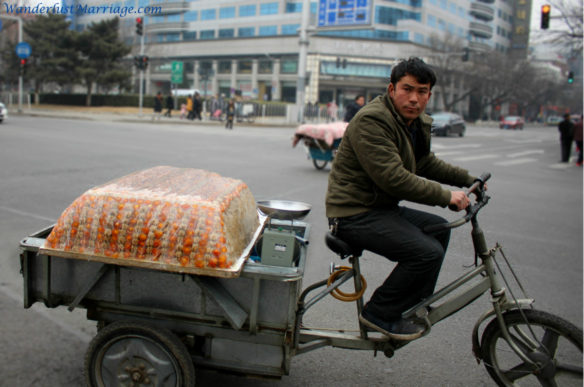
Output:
(458, 201)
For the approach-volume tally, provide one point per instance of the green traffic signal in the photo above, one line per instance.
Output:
(570, 77)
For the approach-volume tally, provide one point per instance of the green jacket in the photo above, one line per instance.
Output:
(375, 166)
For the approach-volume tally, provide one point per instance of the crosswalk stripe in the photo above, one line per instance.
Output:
(479, 157)
(527, 152)
(463, 146)
(442, 154)
(515, 162)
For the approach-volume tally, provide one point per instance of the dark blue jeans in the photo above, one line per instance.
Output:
(396, 233)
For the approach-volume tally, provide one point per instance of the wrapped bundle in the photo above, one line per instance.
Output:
(184, 220)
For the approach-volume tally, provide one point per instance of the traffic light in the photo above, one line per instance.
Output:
(139, 26)
(22, 67)
(466, 54)
(137, 61)
(545, 16)
(144, 62)
(571, 77)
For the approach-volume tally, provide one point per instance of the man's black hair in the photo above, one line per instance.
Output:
(416, 68)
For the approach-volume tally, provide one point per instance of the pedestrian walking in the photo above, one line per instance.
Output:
(183, 111)
(354, 107)
(566, 129)
(332, 109)
(190, 113)
(197, 106)
(578, 140)
(169, 105)
(157, 106)
(230, 115)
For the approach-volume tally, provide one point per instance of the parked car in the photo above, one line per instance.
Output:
(446, 123)
(3, 112)
(553, 120)
(511, 122)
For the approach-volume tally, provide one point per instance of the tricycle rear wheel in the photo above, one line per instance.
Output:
(135, 354)
(319, 164)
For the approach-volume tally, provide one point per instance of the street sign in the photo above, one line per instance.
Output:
(176, 74)
(23, 50)
(335, 13)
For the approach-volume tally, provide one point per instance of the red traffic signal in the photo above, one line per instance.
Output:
(139, 26)
(545, 16)
(23, 62)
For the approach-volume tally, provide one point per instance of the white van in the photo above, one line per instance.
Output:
(185, 92)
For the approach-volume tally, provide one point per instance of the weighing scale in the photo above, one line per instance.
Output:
(280, 243)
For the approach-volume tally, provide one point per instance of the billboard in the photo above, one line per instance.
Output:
(344, 13)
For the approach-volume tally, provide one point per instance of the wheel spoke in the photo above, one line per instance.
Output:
(518, 372)
(569, 368)
(550, 341)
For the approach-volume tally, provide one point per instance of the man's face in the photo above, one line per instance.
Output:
(360, 101)
(409, 97)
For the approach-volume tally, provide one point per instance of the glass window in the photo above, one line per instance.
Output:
(190, 35)
(246, 31)
(387, 15)
(293, 7)
(247, 10)
(173, 18)
(226, 13)
(173, 37)
(191, 16)
(244, 66)
(265, 66)
(207, 34)
(208, 14)
(226, 33)
(290, 29)
(289, 66)
(224, 67)
(143, 3)
(268, 30)
(269, 9)
(432, 21)
(418, 38)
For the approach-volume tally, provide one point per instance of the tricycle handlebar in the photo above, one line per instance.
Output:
(471, 211)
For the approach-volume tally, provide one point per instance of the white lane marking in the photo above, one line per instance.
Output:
(527, 152)
(24, 213)
(516, 161)
(479, 157)
(460, 146)
(561, 165)
(441, 154)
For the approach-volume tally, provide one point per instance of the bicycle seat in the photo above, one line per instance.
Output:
(341, 247)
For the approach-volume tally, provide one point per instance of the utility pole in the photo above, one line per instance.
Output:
(301, 85)
(140, 32)
(20, 80)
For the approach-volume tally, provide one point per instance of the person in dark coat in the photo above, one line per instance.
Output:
(354, 107)
(169, 105)
(197, 106)
(566, 128)
(157, 106)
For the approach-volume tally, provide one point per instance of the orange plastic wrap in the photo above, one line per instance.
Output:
(175, 219)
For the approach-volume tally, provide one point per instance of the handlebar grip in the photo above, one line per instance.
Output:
(484, 177)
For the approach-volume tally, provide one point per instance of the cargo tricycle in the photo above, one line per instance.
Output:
(157, 327)
(321, 141)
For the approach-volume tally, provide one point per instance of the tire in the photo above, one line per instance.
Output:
(135, 354)
(319, 164)
(560, 353)
(446, 131)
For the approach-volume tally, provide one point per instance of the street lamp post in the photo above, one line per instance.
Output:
(303, 52)
(20, 80)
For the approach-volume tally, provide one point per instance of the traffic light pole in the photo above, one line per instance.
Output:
(141, 87)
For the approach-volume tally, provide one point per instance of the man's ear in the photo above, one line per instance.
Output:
(390, 89)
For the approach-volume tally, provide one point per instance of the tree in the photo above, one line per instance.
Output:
(101, 54)
(53, 53)
(446, 61)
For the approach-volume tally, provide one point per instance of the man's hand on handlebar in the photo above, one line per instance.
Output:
(458, 200)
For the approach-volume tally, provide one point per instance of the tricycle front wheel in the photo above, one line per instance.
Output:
(553, 343)
(136, 354)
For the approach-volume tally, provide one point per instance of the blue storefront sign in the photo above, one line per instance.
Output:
(338, 13)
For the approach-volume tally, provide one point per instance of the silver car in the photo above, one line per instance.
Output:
(3, 112)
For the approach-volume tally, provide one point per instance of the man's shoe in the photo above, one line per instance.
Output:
(399, 329)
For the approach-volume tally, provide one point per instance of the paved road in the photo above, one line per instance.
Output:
(536, 213)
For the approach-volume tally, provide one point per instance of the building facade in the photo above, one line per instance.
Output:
(251, 47)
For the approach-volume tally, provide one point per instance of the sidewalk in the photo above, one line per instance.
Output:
(132, 114)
